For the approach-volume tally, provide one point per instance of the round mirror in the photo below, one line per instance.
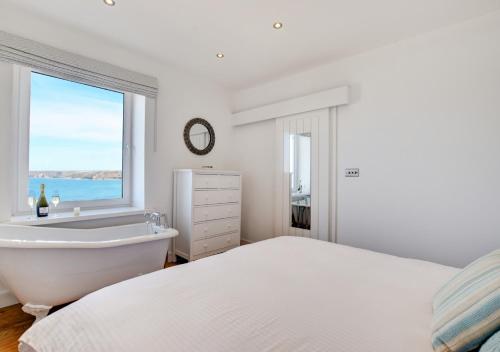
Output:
(199, 136)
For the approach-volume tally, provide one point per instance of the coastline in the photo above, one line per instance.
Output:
(77, 175)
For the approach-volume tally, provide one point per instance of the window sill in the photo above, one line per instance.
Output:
(30, 220)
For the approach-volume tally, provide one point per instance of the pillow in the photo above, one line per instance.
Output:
(493, 344)
(467, 308)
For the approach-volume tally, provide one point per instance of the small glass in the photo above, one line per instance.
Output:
(56, 199)
(32, 202)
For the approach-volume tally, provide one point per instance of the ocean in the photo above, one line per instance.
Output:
(71, 189)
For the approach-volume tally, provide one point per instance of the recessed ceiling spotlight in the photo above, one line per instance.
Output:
(220, 55)
(277, 25)
(110, 2)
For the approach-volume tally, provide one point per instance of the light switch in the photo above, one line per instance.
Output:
(352, 172)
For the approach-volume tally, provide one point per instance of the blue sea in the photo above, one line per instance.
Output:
(71, 189)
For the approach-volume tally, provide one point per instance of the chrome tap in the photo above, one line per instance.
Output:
(154, 218)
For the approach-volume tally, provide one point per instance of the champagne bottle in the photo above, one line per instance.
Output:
(42, 207)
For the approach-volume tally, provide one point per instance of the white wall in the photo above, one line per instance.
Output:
(5, 154)
(254, 156)
(423, 127)
(182, 96)
(6, 73)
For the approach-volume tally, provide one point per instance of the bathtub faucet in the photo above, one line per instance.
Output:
(154, 218)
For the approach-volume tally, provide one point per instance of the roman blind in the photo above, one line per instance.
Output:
(22, 51)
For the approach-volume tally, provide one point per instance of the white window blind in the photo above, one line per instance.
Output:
(29, 53)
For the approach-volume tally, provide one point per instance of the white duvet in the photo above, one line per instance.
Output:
(285, 294)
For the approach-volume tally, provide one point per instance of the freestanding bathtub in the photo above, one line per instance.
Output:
(45, 267)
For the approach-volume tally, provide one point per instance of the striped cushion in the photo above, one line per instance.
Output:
(467, 308)
(492, 345)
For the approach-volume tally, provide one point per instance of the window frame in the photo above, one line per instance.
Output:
(20, 162)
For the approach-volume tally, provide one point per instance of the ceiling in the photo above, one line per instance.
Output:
(189, 33)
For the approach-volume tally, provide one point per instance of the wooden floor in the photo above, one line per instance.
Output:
(14, 322)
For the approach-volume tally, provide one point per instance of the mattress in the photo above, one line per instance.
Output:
(284, 294)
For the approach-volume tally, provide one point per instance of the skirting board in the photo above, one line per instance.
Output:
(321, 100)
(6, 298)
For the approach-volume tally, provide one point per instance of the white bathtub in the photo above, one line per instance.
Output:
(45, 267)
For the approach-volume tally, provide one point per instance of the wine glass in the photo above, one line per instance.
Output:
(32, 201)
(56, 199)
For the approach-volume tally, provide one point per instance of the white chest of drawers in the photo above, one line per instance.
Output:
(207, 211)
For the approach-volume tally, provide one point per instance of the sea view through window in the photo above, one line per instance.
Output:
(76, 140)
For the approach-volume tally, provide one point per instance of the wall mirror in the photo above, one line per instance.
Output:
(300, 180)
(303, 167)
(199, 136)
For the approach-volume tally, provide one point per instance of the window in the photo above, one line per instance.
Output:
(75, 139)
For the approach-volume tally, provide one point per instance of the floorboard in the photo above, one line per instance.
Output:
(13, 323)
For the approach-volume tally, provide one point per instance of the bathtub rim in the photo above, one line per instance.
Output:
(167, 233)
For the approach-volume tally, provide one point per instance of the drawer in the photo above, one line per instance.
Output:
(214, 228)
(206, 181)
(214, 197)
(216, 181)
(215, 243)
(216, 212)
(229, 181)
(229, 196)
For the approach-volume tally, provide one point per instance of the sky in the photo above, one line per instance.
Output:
(74, 126)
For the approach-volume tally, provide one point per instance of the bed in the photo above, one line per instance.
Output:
(284, 294)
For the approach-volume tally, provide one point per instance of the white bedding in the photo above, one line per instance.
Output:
(285, 294)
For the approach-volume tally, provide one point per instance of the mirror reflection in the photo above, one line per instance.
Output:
(300, 180)
(199, 136)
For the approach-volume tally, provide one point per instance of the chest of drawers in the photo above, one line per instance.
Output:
(207, 211)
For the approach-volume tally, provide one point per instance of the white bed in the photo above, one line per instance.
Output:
(285, 294)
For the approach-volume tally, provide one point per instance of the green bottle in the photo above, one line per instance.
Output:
(42, 207)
